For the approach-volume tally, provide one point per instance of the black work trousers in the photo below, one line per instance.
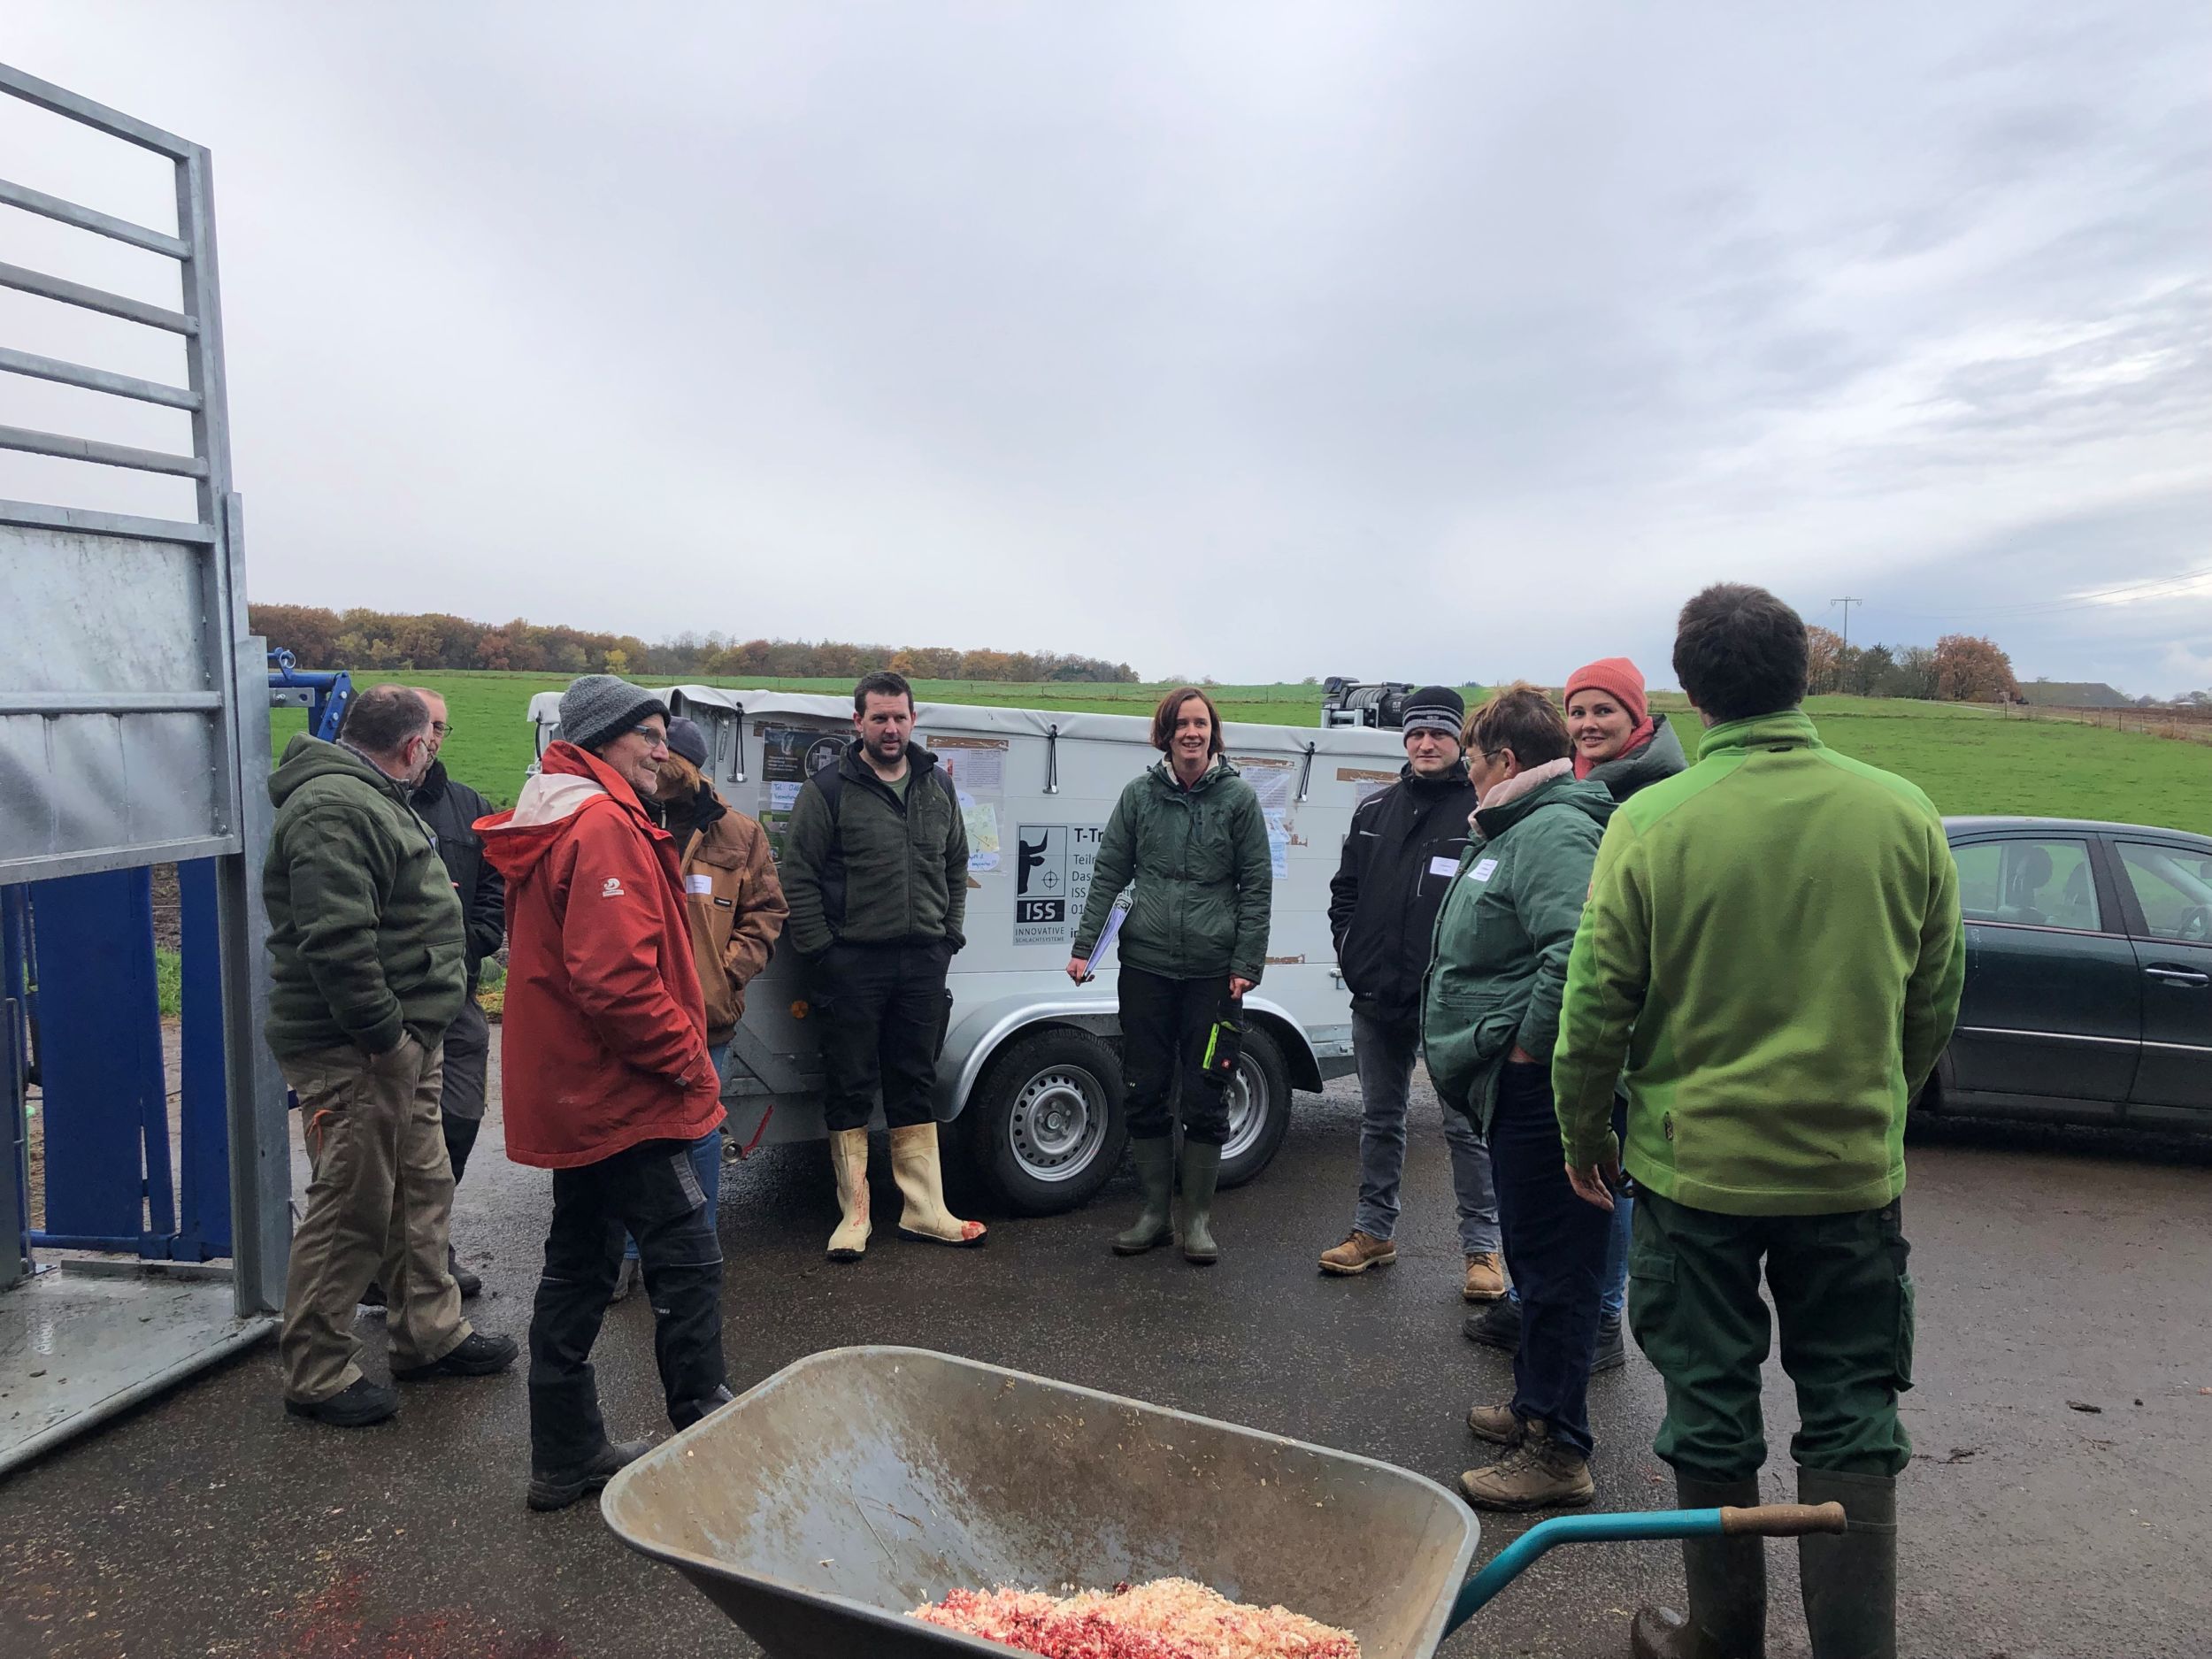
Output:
(1555, 1248)
(1164, 1024)
(651, 1191)
(883, 1011)
(460, 1141)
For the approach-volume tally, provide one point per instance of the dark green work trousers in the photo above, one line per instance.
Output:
(1845, 1306)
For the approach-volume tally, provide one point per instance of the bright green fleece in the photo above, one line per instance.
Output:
(1772, 948)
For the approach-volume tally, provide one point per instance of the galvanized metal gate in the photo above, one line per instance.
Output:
(133, 705)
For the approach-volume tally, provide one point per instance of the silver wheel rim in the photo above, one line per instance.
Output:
(1248, 1107)
(1057, 1123)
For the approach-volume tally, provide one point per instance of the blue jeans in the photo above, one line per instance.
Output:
(1384, 1055)
(1616, 1296)
(1555, 1248)
(706, 1160)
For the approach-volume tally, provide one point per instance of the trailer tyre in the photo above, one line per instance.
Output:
(1259, 1109)
(1044, 1125)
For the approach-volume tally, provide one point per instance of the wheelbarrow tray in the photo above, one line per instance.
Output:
(821, 1506)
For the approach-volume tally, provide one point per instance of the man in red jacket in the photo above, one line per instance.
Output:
(606, 1077)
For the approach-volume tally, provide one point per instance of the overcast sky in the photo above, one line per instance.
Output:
(1420, 342)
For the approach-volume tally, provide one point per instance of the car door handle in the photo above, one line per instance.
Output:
(2179, 976)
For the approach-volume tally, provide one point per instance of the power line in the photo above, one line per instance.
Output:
(1847, 604)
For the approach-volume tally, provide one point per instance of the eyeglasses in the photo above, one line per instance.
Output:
(654, 738)
(440, 727)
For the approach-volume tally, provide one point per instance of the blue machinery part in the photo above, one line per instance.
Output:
(326, 696)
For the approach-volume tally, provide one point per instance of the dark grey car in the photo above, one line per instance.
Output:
(2088, 974)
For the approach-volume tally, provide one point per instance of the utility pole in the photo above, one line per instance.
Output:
(1847, 604)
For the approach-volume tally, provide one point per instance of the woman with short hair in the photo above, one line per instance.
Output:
(1489, 1020)
(1189, 832)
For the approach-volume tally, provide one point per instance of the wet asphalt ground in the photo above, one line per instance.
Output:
(2060, 1502)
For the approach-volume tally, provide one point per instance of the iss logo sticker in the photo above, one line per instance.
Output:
(1052, 880)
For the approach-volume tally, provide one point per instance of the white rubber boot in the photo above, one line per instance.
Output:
(916, 1166)
(849, 1157)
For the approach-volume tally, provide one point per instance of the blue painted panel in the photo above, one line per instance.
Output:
(204, 1171)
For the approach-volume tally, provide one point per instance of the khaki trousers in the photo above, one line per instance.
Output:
(379, 1206)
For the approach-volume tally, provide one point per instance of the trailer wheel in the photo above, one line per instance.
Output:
(1044, 1125)
(1259, 1110)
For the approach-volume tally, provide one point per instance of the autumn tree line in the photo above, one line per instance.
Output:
(363, 639)
(1957, 668)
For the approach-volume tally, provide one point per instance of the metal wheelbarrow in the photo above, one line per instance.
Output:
(822, 1505)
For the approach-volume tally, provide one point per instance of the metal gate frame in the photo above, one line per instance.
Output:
(233, 697)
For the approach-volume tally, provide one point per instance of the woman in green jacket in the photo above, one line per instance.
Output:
(1489, 1019)
(1190, 832)
(1620, 743)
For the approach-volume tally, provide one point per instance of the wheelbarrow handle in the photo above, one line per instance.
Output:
(1769, 1520)
(1782, 1520)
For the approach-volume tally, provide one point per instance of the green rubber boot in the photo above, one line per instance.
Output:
(1202, 1169)
(1727, 1579)
(1155, 1178)
(1850, 1581)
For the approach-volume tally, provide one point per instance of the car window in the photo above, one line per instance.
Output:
(2039, 882)
(2174, 887)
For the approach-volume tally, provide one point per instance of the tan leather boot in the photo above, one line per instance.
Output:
(1485, 1278)
(916, 1166)
(1535, 1473)
(849, 1157)
(1359, 1252)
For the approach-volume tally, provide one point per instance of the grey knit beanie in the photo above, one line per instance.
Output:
(598, 708)
(686, 739)
(1435, 709)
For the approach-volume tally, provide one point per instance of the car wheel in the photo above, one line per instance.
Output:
(1044, 1125)
(1259, 1110)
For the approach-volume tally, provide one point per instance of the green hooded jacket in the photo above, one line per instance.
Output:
(366, 938)
(1773, 950)
(889, 867)
(1205, 882)
(1499, 962)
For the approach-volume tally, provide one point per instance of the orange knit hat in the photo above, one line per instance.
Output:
(1618, 678)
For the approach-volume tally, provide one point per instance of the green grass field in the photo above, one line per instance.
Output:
(1969, 759)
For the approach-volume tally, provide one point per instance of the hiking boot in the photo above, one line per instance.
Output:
(1485, 1277)
(917, 1167)
(1497, 1424)
(1359, 1252)
(472, 1286)
(1850, 1581)
(1726, 1579)
(356, 1406)
(1498, 1327)
(1538, 1473)
(476, 1355)
(1612, 1351)
(558, 1488)
(1155, 1162)
(1201, 1170)
(848, 1162)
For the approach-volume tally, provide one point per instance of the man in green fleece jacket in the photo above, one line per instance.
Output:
(1772, 953)
(367, 967)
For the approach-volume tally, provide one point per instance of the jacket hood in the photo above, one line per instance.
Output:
(1552, 784)
(1658, 757)
(569, 780)
(1163, 771)
(307, 758)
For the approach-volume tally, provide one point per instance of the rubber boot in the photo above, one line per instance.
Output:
(1850, 1580)
(1726, 1579)
(849, 1158)
(1155, 1178)
(1201, 1170)
(917, 1167)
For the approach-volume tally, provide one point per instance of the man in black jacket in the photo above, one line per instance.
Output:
(451, 808)
(1399, 859)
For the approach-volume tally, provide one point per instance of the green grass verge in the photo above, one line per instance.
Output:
(169, 981)
(1969, 759)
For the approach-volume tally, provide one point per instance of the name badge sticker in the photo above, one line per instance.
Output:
(698, 884)
(1446, 867)
(1483, 870)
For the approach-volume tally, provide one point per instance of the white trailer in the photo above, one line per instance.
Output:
(1031, 1069)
